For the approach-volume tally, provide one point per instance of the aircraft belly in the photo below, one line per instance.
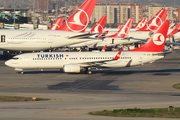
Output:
(42, 65)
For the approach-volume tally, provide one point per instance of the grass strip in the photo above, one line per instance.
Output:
(137, 112)
(19, 99)
(177, 86)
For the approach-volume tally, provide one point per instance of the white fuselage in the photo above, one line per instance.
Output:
(42, 60)
(133, 33)
(36, 40)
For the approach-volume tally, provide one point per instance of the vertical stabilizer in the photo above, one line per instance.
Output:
(99, 27)
(155, 22)
(157, 40)
(57, 24)
(124, 31)
(80, 19)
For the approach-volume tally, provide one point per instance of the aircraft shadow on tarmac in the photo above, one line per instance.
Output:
(110, 72)
(80, 85)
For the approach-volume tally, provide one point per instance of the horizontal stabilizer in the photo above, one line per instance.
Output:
(173, 43)
(161, 54)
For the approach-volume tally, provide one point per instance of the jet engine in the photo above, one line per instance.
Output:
(74, 68)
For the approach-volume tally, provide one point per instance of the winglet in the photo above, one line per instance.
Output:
(118, 55)
(123, 31)
(99, 27)
(176, 30)
(57, 24)
(156, 21)
(104, 48)
(80, 19)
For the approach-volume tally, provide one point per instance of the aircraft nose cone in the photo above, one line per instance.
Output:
(7, 63)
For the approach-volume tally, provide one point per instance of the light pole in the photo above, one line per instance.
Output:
(57, 9)
(14, 15)
(73, 5)
(33, 12)
(65, 8)
(47, 13)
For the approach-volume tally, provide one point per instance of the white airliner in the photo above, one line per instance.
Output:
(77, 61)
(110, 40)
(144, 33)
(36, 40)
(117, 38)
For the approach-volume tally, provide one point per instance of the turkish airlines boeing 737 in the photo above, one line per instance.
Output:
(36, 40)
(77, 61)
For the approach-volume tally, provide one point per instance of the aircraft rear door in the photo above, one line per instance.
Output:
(50, 38)
(140, 58)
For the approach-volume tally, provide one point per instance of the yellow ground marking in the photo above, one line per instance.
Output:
(142, 85)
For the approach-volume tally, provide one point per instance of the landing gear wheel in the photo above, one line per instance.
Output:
(88, 71)
(22, 72)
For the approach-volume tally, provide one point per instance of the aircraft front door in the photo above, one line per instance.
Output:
(3, 39)
(26, 59)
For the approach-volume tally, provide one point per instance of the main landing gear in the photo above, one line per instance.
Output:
(22, 72)
(88, 71)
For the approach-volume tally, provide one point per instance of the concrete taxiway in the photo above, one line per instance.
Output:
(74, 95)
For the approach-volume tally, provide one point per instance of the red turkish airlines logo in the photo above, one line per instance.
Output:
(79, 22)
(98, 28)
(124, 30)
(55, 26)
(158, 39)
(156, 22)
(140, 24)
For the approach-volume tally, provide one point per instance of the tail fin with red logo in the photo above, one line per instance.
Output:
(140, 23)
(156, 21)
(119, 26)
(144, 22)
(99, 27)
(124, 30)
(57, 24)
(176, 30)
(157, 40)
(80, 19)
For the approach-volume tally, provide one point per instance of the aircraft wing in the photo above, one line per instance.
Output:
(134, 38)
(86, 35)
(96, 63)
(161, 54)
(173, 43)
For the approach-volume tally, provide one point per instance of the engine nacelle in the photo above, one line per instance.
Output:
(74, 68)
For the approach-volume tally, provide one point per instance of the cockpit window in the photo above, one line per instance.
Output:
(15, 58)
